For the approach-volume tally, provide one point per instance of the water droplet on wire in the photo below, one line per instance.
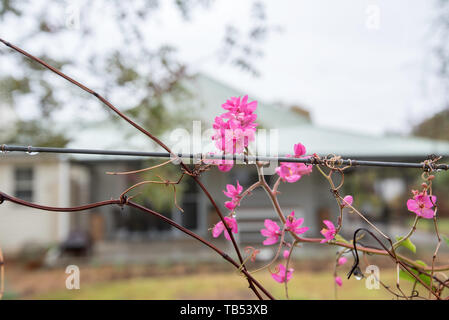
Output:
(31, 153)
(358, 275)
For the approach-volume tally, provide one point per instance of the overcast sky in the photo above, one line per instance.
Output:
(331, 58)
(355, 64)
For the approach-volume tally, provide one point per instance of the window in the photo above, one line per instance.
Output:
(24, 183)
(190, 205)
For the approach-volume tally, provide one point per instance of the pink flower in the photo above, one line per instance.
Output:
(282, 276)
(272, 232)
(347, 200)
(241, 111)
(288, 172)
(303, 169)
(338, 281)
(293, 224)
(223, 165)
(230, 137)
(292, 172)
(235, 128)
(300, 150)
(422, 205)
(219, 228)
(328, 234)
(286, 254)
(253, 252)
(233, 193)
(342, 261)
(230, 205)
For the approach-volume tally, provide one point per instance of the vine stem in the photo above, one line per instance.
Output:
(290, 251)
(273, 198)
(2, 274)
(409, 234)
(141, 129)
(391, 253)
(338, 256)
(337, 198)
(207, 243)
(436, 249)
(125, 202)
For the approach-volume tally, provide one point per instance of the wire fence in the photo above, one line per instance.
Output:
(428, 164)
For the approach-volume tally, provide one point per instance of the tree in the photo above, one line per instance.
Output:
(129, 69)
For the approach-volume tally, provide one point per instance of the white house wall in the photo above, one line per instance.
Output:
(20, 225)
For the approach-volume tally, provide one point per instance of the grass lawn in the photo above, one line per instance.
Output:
(304, 285)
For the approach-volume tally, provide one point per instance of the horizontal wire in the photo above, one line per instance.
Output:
(243, 159)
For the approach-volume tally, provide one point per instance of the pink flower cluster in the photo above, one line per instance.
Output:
(292, 224)
(422, 204)
(342, 261)
(347, 201)
(329, 233)
(282, 275)
(219, 228)
(235, 128)
(338, 281)
(233, 193)
(223, 165)
(272, 231)
(292, 172)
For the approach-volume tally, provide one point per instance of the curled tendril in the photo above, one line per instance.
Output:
(332, 161)
(140, 170)
(197, 170)
(267, 266)
(252, 252)
(415, 294)
(276, 269)
(355, 266)
(429, 164)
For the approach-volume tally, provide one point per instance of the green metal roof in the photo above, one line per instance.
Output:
(292, 128)
(211, 94)
(335, 141)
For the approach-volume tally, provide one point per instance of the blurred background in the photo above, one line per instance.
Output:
(360, 79)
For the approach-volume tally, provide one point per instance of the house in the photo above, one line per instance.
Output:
(62, 180)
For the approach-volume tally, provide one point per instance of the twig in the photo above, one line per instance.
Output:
(147, 133)
(125, 201)
(2, 275)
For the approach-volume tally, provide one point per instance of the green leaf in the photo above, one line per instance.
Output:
(406, 276)
(339, 238)
(407, 243)
(446, 239)
(420, 262)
